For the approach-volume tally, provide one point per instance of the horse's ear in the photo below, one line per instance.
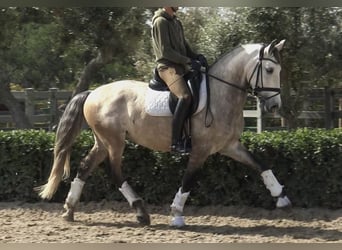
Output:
(261, 52)
(270, 47)
(280, 45)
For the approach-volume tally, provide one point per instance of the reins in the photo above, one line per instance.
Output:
(254, 91)
(226, 82)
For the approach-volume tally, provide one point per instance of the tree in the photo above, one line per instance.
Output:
(79, 48)
(47, 47)
(8, 27)
(107, 34)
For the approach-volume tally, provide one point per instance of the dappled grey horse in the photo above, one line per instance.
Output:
(117, 110)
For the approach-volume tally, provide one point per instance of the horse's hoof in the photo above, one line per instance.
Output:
(283, 202)
(142, 216)
(68, 216)
(144, 219)
(177, 221)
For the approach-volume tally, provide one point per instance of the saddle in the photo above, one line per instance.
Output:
(192, 78)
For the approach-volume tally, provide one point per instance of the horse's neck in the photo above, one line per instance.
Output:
(231, 71)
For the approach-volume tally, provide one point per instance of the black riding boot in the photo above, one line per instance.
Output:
(179, 144)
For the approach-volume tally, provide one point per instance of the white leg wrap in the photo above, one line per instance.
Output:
(177, 208)
(129, 193)
(272, 183)
(179, 201)
(75, 192)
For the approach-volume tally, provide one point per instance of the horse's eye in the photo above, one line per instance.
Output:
(269, 70)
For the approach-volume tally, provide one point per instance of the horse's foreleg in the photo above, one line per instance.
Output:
(183, 193)
(91, 161)
(239, 153)
(134, 200)
(177, 207)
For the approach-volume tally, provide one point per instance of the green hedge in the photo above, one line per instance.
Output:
(308, 162)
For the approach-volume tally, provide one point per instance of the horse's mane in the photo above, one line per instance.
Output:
(229, 54)
(236, 50)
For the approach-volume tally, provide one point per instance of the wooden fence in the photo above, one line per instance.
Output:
(319, 104)
(41, 108)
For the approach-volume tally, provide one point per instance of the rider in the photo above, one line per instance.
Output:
(174, 59)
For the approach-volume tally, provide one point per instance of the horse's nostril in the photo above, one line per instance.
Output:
(274, 108)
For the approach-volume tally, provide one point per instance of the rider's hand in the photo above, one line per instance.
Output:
(201, 58)
(195, 65)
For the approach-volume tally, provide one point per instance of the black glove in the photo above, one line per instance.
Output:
(195, 65)
(201, 58)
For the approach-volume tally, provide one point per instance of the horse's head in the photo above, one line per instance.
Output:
(264, 76)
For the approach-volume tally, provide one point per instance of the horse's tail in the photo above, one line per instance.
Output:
(68, 129)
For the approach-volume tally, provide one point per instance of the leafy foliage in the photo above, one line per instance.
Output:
(307, 162)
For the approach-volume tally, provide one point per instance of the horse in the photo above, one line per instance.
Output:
(115, 112)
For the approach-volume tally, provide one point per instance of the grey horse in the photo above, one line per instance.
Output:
(116, 111)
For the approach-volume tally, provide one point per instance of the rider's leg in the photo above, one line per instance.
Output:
(173, 77)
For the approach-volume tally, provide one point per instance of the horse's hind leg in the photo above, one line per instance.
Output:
(239, 153)
(96, 155)
(115, 158)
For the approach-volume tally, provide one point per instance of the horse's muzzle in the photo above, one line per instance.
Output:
(271, 105)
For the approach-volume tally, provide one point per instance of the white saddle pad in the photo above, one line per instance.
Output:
(157, 102)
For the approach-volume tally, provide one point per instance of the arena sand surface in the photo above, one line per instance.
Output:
(115, 222)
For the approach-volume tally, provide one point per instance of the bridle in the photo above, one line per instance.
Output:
(254, 91)
(259, 79)
(257, 89)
